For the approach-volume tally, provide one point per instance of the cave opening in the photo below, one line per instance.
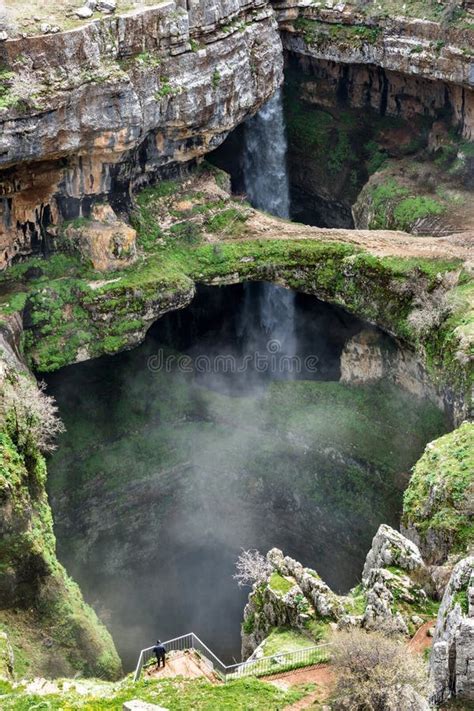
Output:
(208, 439)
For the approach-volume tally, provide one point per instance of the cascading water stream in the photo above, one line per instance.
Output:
(265, 174)
(267, 187)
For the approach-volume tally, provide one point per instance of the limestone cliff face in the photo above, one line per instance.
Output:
(399, 65)
(116, 100)
(46, 624)
(452, 657)
(391, 597)
(367, 358)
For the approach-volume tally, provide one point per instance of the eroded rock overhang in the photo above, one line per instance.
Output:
(117, 99)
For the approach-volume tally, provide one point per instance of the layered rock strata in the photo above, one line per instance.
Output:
(112, 102)
(399, 65)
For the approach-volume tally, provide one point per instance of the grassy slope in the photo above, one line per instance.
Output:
(175, 695)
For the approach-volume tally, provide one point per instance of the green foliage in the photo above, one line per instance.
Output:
(226, 222)
(461, 598)
(148, 59)
(439, 487)
(384, 197)
(282, 639)
(249, 624)
(317, 33)
(376, 156)
(166, 89)
(216, 79)
(176, 695)
(411, 209)
(186, 233)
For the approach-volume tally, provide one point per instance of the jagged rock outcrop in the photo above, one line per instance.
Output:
(392, 597)
(114, 101)
(389, 547)
(407, 699)
(452, 657)
(104, 240)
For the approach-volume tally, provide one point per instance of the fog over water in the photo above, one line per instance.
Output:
(227, 429)
(169, 466)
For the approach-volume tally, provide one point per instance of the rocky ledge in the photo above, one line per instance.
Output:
(395, 596)
(91, 112)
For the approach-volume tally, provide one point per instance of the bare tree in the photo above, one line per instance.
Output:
(30, 415)
(373, 671)
(252, 567)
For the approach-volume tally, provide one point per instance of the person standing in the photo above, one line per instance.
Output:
(160, 653)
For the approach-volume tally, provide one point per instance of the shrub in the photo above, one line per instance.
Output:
(372, 670)
(408, 211)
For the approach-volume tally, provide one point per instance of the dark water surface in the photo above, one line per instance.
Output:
(168, 468)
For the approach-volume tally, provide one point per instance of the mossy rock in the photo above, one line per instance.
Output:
(51, 629)
(437, 508)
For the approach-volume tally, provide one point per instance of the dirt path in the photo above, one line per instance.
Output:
(421, 640)
(379, 242)
(320, 674)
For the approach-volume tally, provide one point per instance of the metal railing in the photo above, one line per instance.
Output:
(264, 666)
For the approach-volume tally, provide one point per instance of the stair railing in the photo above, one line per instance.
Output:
(263, 666)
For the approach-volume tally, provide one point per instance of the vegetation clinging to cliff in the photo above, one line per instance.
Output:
(437, 500)
(40, 600)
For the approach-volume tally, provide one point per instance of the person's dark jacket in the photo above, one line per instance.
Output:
(159, 650)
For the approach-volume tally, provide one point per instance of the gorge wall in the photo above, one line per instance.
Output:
(111, 102)
(89, 114)
(396, 64)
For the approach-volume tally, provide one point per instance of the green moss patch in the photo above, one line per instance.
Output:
(442, 484)
(281, 639)
(280, 584)
(394, 208)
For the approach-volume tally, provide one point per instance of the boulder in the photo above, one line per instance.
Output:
(104, 239)
(83, 12)
(389, 547)
(106, 5)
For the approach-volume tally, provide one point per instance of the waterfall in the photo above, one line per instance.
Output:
(265, 174)
(266, 184)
